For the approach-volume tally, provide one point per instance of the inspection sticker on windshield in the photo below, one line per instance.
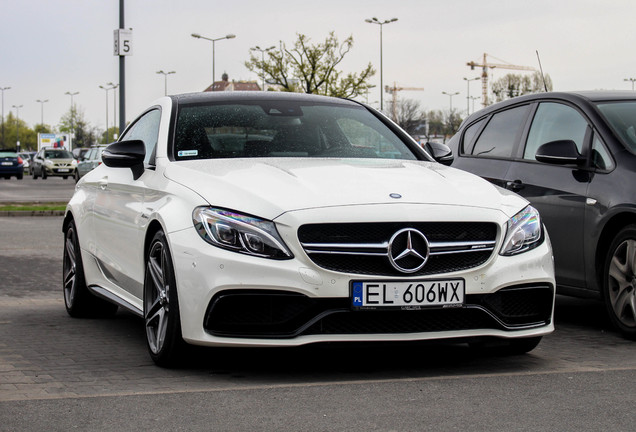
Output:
(407, 294)
(186, 153)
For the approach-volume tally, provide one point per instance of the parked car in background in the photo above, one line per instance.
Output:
(91, 159)
(11, 165)
(79, 152)
(53, 162)
(573, 156)
(283, 219)
(26, 160)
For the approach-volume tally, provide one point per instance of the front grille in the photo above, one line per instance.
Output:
(281, 314)
(363, 248)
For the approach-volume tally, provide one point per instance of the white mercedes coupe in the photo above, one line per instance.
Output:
(277, 219)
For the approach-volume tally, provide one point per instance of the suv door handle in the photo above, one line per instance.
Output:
(515, 185)
(103, 183)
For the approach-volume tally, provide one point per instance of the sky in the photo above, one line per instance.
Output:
(50, 47)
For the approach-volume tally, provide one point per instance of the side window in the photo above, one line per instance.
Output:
(601, 158)
(147, 130)
(501, 134)
(469, 136)
(552, 122)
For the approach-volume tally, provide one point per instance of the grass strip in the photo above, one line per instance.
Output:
(33, 207)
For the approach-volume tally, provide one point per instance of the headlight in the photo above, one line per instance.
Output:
(523, 232)
(240, 233)
(48, 162)
(73, 162)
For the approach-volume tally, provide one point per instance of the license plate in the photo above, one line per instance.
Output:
(63, 170)
(407, 294)
(7, 163)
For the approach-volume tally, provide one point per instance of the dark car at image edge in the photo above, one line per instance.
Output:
(11, 164)
(573, 156)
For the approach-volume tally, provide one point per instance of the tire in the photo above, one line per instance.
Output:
(35, 176)
(19, 176)
(161, 305)
(64, 177)
(79, 302)
(44, 174)
(619, 282)
(76, 176)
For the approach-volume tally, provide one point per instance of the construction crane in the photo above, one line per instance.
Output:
(484, 74)
(393, 90)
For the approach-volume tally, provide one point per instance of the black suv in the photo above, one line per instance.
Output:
(573, 156)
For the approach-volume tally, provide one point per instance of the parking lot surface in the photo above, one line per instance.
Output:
(60, 373)
(27, 190)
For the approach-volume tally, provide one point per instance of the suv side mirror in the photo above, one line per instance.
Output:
(440, 152)
(562, 152)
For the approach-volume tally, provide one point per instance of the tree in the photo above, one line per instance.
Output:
(442, 123)
(15, 130)
(73, 122)
(42, 128)
(110, 135)
(409, 116)
(513, 85)
(309, 68)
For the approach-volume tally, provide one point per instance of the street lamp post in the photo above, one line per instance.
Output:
(17, 126)
(198, 36)
(114, 87)
(468, 80)
(165, 76)
(632, 80)
(262, 51)
(106, 89)
(3, 89)
(474, 98)
(42, 102)
(450, 95)
(72, 134)
(374, 20)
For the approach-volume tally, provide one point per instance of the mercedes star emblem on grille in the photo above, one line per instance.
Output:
(408, 250)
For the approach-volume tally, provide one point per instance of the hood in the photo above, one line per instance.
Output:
(269, 187)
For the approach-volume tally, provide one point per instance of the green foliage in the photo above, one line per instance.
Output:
(15, 130)
(84, 135)
(42, 128)
(312, 68)
(110, 135)
(513, 85)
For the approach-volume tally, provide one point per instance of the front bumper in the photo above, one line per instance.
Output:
(229, 299)
(59, 171)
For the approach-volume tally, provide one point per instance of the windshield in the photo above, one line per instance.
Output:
(58, 154)
(283, 129)
(621, 117)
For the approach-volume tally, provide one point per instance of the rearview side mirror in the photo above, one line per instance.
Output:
(561, 152)
(440, 152)
(126, 154)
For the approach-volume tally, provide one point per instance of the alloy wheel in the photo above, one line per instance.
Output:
(622, 283)
(156, 297)
(70, 267)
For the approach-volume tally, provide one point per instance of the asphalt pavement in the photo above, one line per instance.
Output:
(27, 190)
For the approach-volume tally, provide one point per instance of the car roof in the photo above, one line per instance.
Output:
(251, 96)
(585, 97)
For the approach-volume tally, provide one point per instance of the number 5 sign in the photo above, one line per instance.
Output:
(123, 42)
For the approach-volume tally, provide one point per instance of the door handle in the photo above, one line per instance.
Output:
(515, 185)
(103, 183)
